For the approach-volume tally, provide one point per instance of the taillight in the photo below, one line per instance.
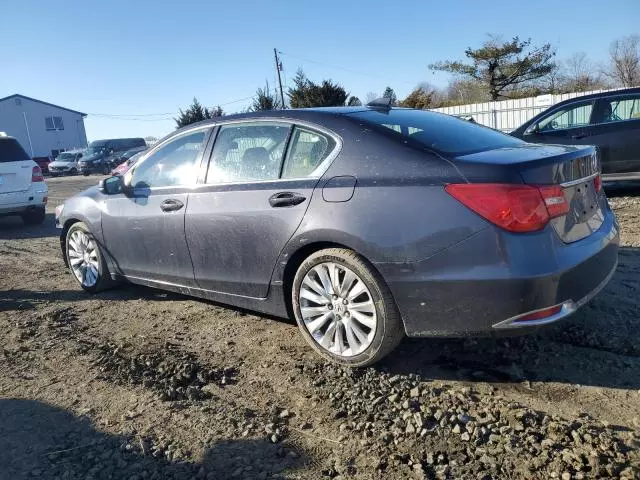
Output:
(544, 313)
(36, 175)
(597, 183)
(516, 208)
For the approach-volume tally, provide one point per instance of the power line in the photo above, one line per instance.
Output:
(350, 70)
(166, 115)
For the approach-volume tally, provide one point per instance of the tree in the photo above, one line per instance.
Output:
(354, 102)
(420, 97)
(390, 94)
(195, 113)
(370, 97)
(306, 93)
(264, 100)
(503, 66)
(578, 74)
(461, 91)
(624, 61)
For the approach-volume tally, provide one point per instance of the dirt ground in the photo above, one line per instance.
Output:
(136, 383)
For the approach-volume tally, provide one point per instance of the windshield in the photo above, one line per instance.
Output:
(439, 132)
(94, 150)
(66, 157)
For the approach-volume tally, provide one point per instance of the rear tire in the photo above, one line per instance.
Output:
(350, 317)
(86, 260)
(34, 217)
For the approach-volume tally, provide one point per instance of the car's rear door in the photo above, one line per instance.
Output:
(616, 131)
(257, 189)
(144, 229)
(566, 125)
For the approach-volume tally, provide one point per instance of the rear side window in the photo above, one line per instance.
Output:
(11, 151)
(248, 152)
(439, 132)
(308, 150)
(619, 109)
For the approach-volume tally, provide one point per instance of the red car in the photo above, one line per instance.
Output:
(126, 165)
(43, 163)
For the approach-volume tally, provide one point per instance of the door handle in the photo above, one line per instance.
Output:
(578, 136)
(171, 205)
(286, 199)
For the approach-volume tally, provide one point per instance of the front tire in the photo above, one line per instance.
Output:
(344, 309)
(86, 260)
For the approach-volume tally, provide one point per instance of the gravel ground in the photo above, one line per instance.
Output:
(136, 383)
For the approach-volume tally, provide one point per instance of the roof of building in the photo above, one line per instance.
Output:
(40, 101)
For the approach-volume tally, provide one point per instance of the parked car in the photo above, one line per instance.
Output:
(23, 190)
(609, 120)
(66, 163)
(364, 223)
(126, 165)
(102, 155)
(43, 163)
(128, 154)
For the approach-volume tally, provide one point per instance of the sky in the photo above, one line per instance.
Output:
(132, 64)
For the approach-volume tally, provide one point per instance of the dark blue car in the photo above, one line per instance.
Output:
(365, 224)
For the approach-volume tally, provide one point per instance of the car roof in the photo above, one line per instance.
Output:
(315, 114)
(608, 93)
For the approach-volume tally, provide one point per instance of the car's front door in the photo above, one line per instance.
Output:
(567, 125)
(258, 185)
(144, 229)
(616, 131)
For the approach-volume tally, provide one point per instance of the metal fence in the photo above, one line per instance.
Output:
(507, 115)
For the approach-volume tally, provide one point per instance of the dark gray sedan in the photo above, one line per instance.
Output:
(365, 224)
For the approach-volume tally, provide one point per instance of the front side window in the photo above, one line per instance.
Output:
(174, 163)
(571, 116)
(308, 150)
(248, 152)
(620, 109)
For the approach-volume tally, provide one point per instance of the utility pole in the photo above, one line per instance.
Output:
(278, 64)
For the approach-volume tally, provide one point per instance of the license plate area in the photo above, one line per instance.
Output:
(583, 201)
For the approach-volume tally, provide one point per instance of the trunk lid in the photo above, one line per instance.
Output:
(573, 168)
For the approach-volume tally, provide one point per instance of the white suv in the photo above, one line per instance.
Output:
(22, 188)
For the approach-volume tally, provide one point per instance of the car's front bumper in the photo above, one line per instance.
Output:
(60, 170)
(484, 284)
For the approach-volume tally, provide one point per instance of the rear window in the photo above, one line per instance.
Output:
(11, 151)
(439, 132)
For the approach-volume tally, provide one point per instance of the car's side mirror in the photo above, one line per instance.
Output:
(112, 185)
(533, 129)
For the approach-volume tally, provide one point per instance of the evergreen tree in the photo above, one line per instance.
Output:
(195, 113)
(503, 66)
(390, 94)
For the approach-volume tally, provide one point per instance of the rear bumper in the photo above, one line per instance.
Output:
(14, 203)
(485, 283)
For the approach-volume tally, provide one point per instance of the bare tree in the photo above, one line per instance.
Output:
(624, 61)
(370, 97)
(579, 74)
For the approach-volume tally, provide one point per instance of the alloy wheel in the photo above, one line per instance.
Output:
(337, 309)
(83, 258)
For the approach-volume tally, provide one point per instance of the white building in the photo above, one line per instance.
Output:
(43, 129)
